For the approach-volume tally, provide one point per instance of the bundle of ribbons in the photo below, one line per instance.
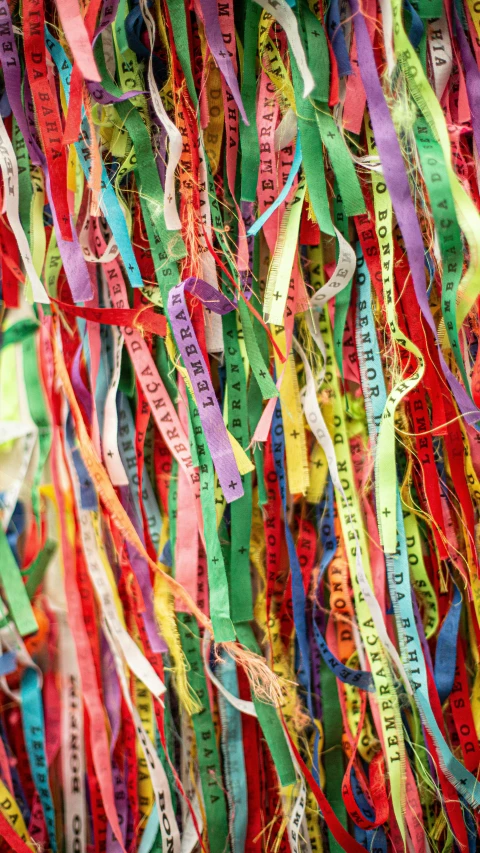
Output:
(240, 426)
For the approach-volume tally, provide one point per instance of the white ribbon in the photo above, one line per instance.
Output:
(9, 168)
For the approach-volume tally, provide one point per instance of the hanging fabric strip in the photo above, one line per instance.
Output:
(239, 450)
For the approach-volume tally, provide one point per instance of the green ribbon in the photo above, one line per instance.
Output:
(15, 591)
(241, 601)
(35, 573)
(448, 230)
(249, 144)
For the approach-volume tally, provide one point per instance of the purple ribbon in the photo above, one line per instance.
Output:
(71, 254)
(397, 184)
(111, 692)
(82, 393)
(113, 704)
(208, 408)
(142, 574)
(101, 96)
(217, 46)
(13, 82)
(108, 13)
(212, 299)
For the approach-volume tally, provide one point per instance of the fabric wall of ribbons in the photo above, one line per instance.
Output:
(240, 426)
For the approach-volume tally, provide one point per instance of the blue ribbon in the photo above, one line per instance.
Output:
(337, 39)
(356, 677)
(446, 652)
(417, 29)
(260, 222)
(34, 732)
(298, 591)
